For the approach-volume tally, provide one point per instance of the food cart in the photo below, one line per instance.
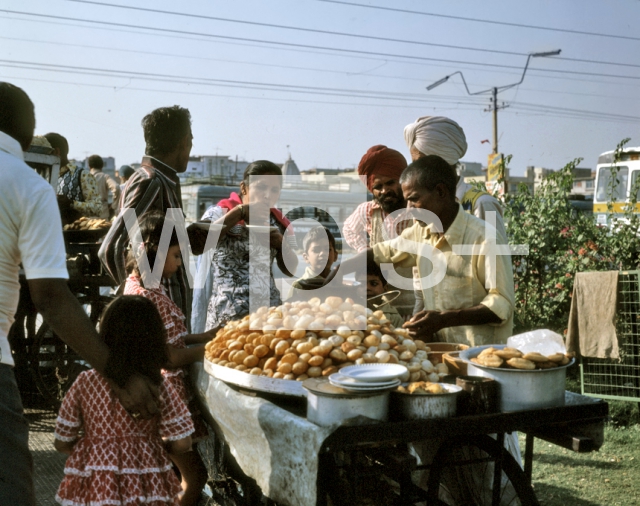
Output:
(270, 448)
(44, 363)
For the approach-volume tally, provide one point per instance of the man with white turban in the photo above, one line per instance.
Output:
(437, 135)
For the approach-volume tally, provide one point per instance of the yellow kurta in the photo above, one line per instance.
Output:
(463, 285)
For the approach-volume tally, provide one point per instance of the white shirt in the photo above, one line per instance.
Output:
(30, 233)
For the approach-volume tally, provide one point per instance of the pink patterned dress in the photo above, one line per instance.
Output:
(118, 460)
(173, 320)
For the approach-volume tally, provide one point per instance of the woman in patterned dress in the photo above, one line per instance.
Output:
(115, 457)
(240, 264)
(190, 465)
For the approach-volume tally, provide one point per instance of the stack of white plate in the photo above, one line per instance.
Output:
(368, 377)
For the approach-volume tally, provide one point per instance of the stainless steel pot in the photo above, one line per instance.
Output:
(418, 407)
(330, 405)
(520, 389)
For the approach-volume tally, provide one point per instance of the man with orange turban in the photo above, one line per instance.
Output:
(380, 169)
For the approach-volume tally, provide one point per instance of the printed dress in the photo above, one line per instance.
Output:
(174, 323)
(118, 460)
(231, 270)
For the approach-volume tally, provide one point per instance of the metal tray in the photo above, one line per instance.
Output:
(252, 382)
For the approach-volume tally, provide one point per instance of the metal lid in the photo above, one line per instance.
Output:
(322, 387)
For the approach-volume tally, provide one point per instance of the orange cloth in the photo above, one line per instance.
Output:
(381, 161)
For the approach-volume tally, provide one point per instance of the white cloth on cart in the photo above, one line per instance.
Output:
(276, 448)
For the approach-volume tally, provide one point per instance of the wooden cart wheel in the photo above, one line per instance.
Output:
(452, 481)
(54, 365)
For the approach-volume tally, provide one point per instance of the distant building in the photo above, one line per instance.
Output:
(214, 169)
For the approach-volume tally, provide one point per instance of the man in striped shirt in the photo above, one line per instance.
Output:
(380, 169)
(155, 185)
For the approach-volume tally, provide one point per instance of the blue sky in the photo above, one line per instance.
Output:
(322, 81)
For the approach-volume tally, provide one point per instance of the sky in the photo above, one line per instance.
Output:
(324, 80)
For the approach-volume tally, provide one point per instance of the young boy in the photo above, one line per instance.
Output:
(375, 284)
(319, 255)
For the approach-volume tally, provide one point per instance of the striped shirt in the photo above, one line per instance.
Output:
(359, 222)
(154, 186)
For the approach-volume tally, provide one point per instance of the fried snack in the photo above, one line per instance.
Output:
(507, 353)
(556, 357)
(521, 363)
(422, 388)
(487, 351)
(85, 223)
(565, 360)
(311, 339)
(490, 360)
(534, 356)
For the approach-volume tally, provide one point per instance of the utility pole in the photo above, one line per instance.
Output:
(494, 91)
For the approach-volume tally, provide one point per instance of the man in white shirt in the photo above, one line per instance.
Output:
(109, 190)
(31, 235)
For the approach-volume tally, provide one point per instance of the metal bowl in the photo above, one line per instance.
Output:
(420, 406)
(520, 389)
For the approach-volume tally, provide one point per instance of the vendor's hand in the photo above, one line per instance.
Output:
(139, 396)
(424, 324)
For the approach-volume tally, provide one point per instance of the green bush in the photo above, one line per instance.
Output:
(561, 243)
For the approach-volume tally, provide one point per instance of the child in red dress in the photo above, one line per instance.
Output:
(115, 457)
(194, 473)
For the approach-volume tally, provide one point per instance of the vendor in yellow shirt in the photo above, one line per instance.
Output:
(459, 308)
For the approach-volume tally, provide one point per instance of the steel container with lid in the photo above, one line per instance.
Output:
(330, 405)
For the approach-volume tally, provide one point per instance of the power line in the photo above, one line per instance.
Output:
(488, 21)
(296, 28)
(327, 51)
(294, 67)
(342, 34)
(96, 72)
(309, 46)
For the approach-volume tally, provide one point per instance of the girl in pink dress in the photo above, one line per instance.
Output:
(116, 458)
(192, 469)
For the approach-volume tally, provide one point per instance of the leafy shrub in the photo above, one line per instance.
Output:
(561, 243)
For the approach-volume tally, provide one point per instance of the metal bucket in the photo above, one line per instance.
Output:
(420, 406)
(330, 405)
(520, 389)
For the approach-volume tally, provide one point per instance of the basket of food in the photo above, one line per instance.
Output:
(526, 380)
(277, 347)
(86, 230)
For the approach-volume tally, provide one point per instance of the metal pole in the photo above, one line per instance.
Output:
(495, 121)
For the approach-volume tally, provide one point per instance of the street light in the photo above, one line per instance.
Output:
(494, 91)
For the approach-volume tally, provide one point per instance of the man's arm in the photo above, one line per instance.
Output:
(140, 195)
(425, 324)
(115, 191)
(354, 228)
(62, 311)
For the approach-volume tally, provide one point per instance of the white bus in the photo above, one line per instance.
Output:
(628, 170)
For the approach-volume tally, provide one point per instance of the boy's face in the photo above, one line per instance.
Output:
(373, 285)
(320, 256)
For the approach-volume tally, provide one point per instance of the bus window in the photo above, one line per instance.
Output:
(604, 183)
(634, 177)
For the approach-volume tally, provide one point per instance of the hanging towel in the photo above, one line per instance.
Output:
(592, 320)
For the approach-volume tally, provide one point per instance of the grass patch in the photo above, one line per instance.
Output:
(609, 476)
